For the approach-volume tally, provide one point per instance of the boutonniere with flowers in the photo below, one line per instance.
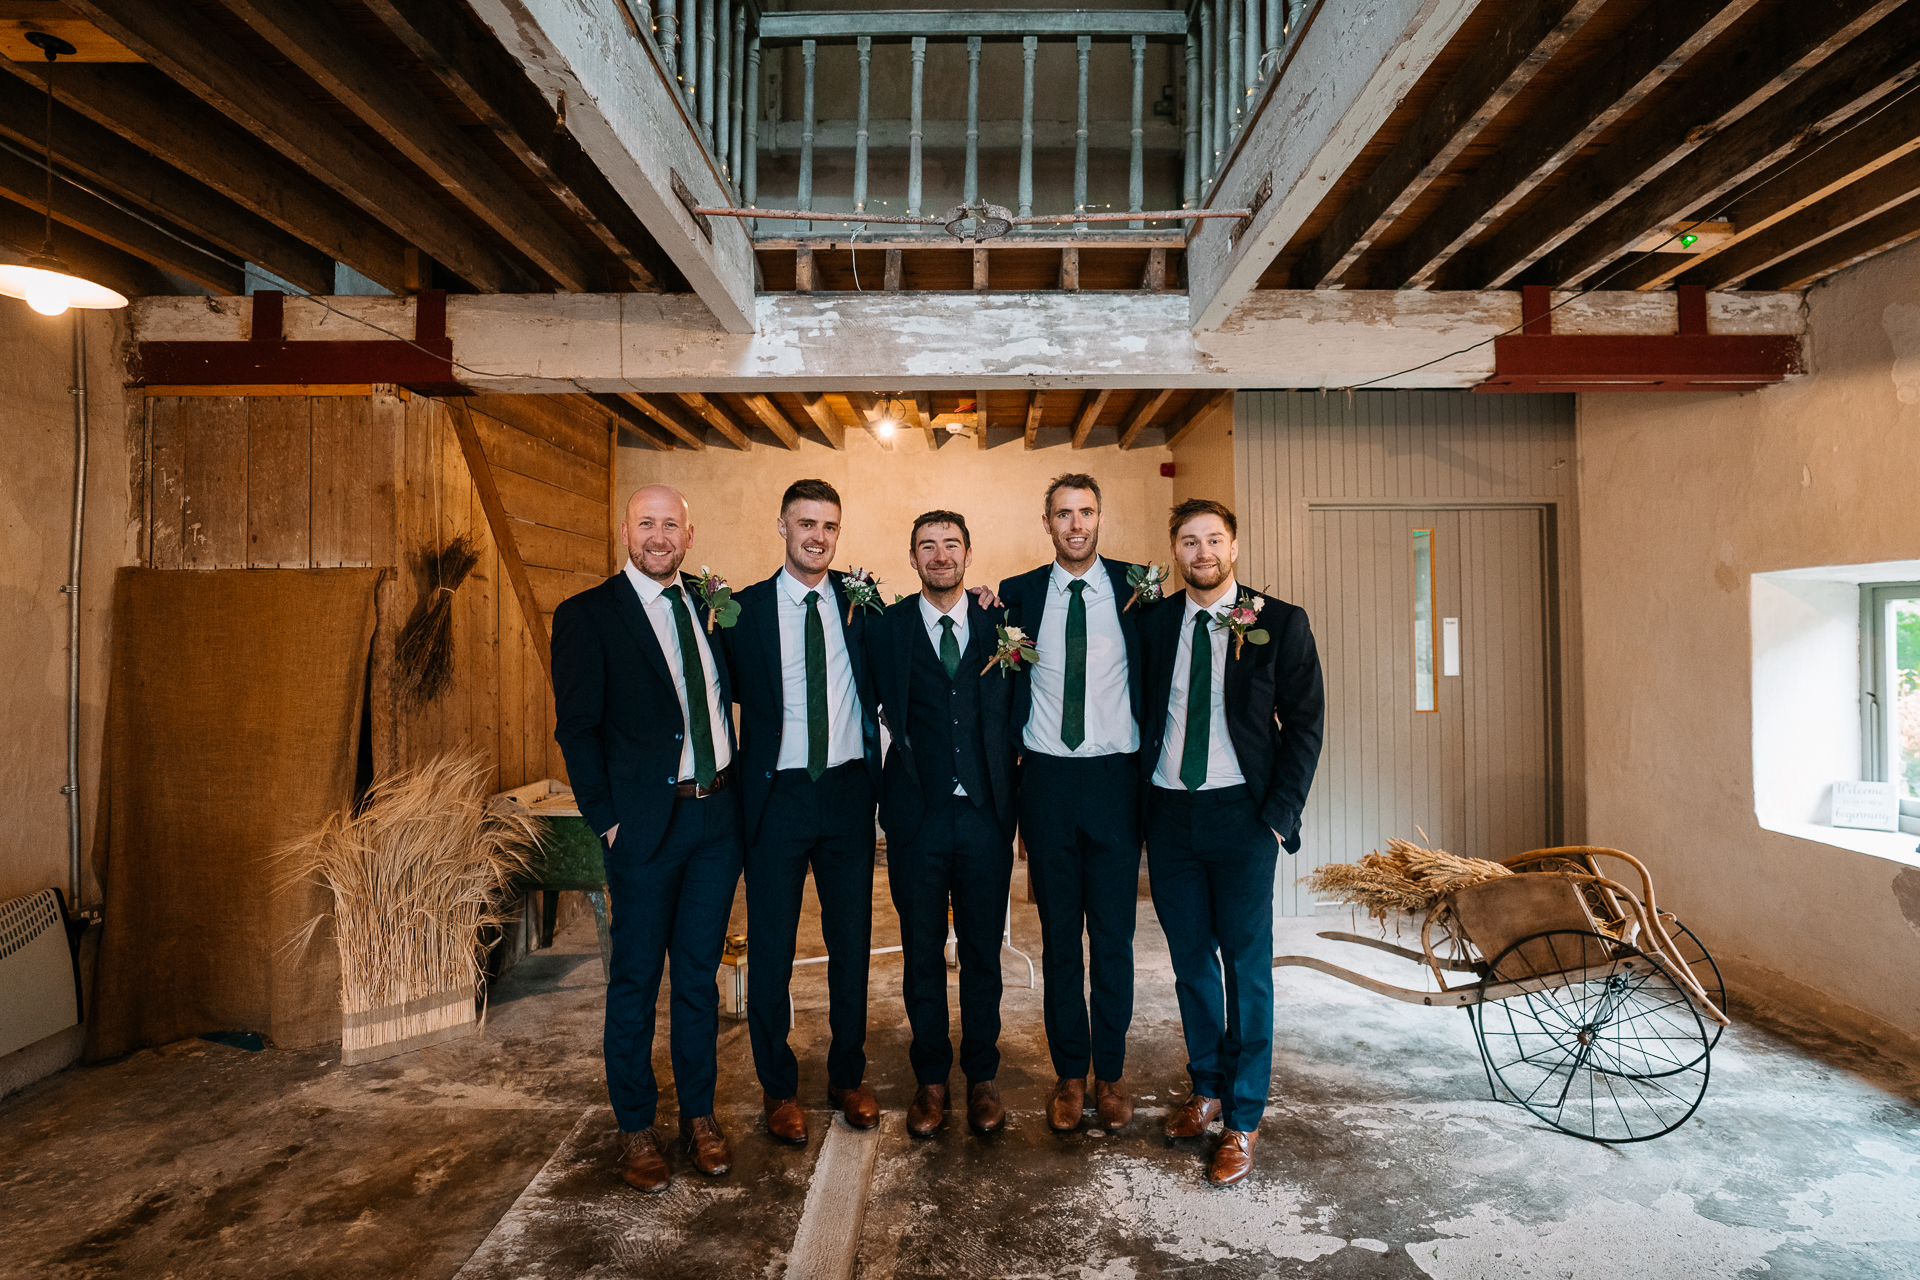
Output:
(1240, 619)
(1013, 647)
(714, 592)
(863, 592)
(1148, 581)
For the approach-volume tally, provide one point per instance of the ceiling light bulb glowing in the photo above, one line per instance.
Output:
(48, 299)
(50, 289)
(886, 427)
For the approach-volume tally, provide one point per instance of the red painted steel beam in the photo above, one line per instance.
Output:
(1673, 362)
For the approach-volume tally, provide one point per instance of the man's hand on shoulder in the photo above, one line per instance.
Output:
(986, 597)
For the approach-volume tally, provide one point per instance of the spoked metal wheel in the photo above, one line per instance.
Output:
(1705, 972)
(1591, 1036)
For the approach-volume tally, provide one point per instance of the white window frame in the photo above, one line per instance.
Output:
(1876, 693)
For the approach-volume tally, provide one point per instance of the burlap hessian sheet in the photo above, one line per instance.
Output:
(232, 726)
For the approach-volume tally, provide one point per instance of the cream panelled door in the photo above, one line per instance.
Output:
(1435, 633)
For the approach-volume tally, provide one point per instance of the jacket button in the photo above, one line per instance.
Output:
(672, 781)
(769, 773)
(676, 737)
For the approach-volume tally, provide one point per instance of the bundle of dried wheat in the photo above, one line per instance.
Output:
(1407, 877)
(416, 874)
(424, 652)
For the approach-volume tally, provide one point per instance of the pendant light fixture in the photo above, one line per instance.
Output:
(45, 283)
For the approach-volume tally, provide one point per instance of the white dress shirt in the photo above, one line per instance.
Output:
(843, 700)
(1109, 706)
(659, 609)
(1223, 766)
(930, 614)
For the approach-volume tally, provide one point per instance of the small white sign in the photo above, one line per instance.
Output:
(1449, 646)
(1871, 806)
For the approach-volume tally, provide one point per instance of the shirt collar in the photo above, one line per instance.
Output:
(647, 589)
(796, 591)
(1219, 608)
(931, 615)
(1096, 579)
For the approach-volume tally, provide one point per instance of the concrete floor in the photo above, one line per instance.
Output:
(1381, 1155)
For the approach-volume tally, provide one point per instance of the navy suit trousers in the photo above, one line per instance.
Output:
(1211, 861)
(671, 904)
(959, 856)
(826, 825)
(1078, 819)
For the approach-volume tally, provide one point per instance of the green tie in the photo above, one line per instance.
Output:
(949, 648)
(1073, 705)
(699, 726)
(1193, 754)
(816, 689)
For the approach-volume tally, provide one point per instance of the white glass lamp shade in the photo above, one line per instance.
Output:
(49, 289)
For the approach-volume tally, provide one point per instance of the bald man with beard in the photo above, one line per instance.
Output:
(641, 715)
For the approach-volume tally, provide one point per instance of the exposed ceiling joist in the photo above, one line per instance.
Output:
(1823, 99)
(1144, 408)
(824, 419)
(869, 407)
(217, 70)
(716, 416)
(922, 411)
(311, 37)
(110, 163)
(1196, 413)
(123, 272)
(1878, 192)
(672, 415)
(980, 419)
(1888, 230)
(1090, 406)
(1032, 427)
(1584, 105)
(1529, 34)
(773, 419)
(634, 421)
(1738, 77)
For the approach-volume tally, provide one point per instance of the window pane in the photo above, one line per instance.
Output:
(1903, 655)
(1423, 692)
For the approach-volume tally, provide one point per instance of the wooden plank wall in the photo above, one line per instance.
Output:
(334, 481)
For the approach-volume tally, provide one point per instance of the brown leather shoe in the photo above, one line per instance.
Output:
(1114, 1107)
(928, 1114)
(785, 1120)
(1232, 1159)
(706, 1145)
(857, 1106)
(1191, 1118)
(1069, 1100)
(643, 1165)
(984, 1111)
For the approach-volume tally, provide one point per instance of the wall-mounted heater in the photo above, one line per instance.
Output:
(38, 991)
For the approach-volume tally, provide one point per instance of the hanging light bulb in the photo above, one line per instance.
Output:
(45, 283)
(888, 422)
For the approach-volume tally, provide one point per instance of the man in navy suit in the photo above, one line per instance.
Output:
(1231, 736)
(810, 756)
(1076, 715)
(640, 701)
(946, 804)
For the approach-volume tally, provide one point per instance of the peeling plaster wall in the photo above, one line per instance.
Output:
(1682, 499)
(735, 500)
(36, 513)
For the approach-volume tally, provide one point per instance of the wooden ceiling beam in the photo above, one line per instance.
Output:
(312, 38)
(869, 407)
(218, 71)
(1888, 230)
(824, 420)
(773, 419)
(131, 276)
(24, 182)
(1872, 196)
(1530, 32)
(923, 418)
(979, 419)
(1090, 406)
(1828, 97)
(669, 413)
(717, 416)
(141, 105)
(1034, 405)
(1740, 76)
(494, 85)
(108, 161)
(634, 421)
(1590, 100)
(1145, 406)
(1203, 404)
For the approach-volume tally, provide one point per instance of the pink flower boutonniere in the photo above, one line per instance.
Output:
(722, 608)
(1014, 648)
(1240, 619)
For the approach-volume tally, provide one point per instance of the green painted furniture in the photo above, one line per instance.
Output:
(569, 858)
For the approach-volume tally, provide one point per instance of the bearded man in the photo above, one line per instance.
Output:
(1231, 727)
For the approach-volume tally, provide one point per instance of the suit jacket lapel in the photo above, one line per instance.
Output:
(634, 614)
(766, 632)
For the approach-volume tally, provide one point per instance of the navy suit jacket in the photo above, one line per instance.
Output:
(753, 657)
(1025, 597)
(890, 641)
(616, 715)
(1275, 707)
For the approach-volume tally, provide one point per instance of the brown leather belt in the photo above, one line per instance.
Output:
(694, 791)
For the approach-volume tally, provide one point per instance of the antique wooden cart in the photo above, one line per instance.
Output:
(1594, 1009)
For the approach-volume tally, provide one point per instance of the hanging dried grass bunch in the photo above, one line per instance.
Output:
(424, 652)
(1406, 878)
(416, 874)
